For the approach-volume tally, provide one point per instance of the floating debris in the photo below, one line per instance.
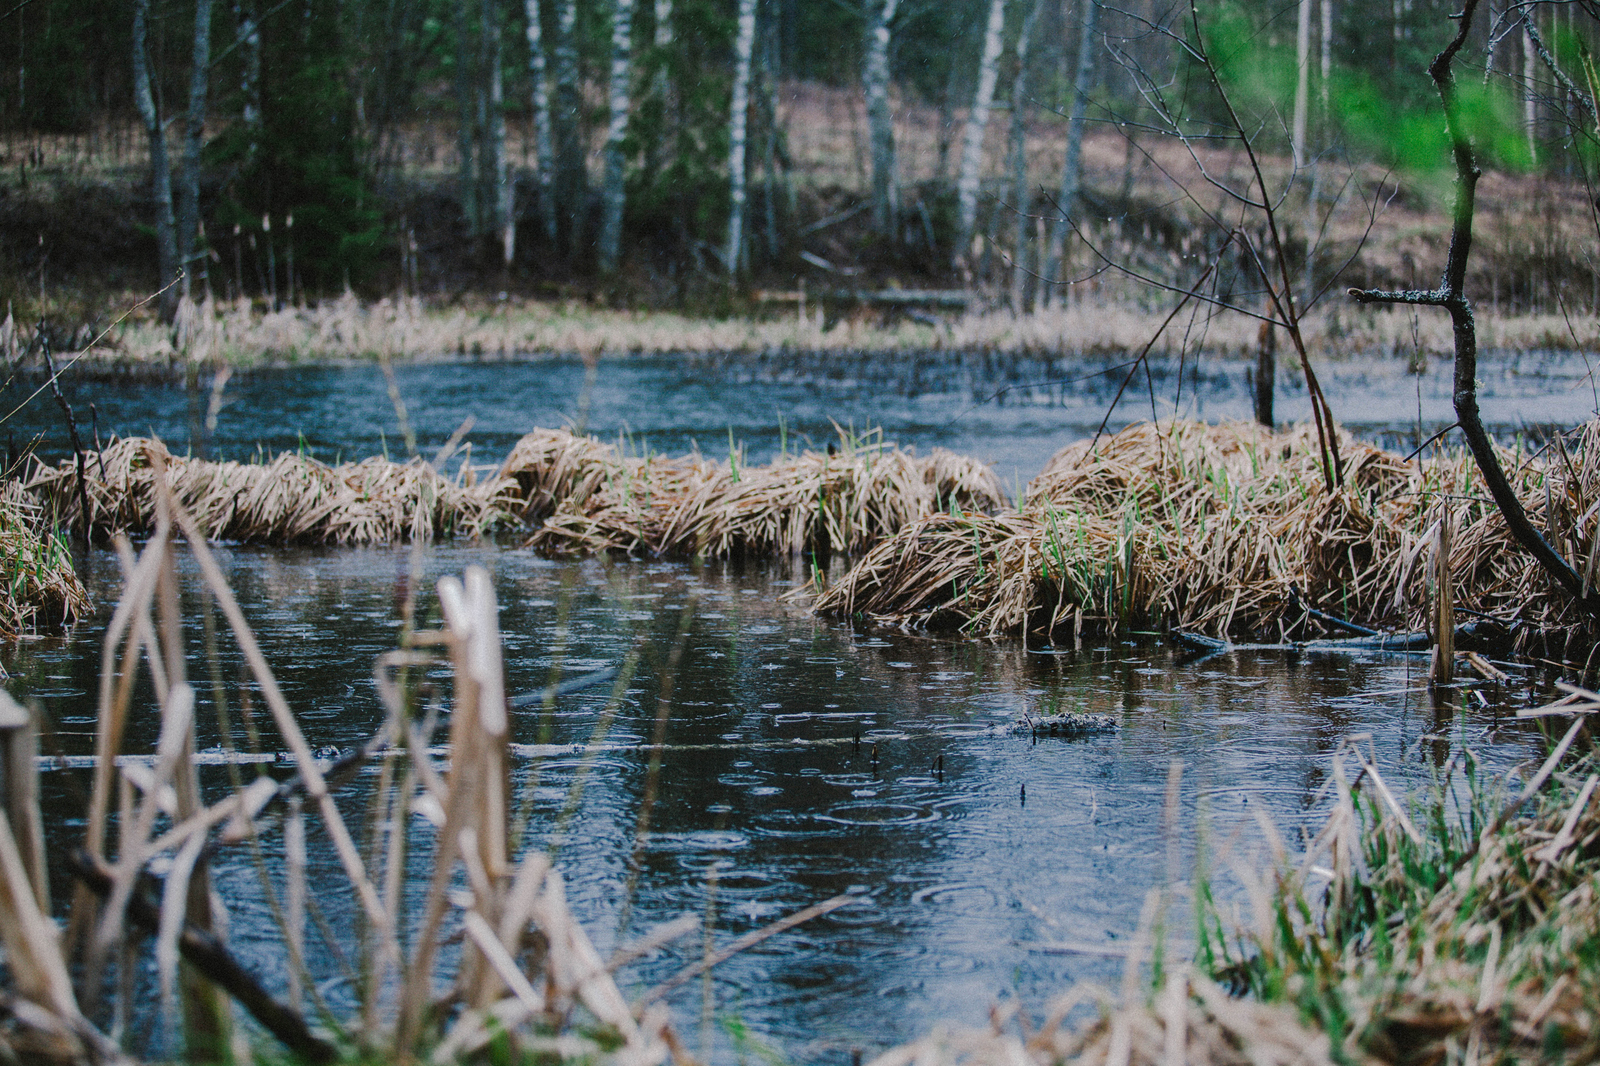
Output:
(1066, 724)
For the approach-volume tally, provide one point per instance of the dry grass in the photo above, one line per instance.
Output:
(38, 585)
(842, 500)
(1101, 318)
(1213, 528)
(291, 499)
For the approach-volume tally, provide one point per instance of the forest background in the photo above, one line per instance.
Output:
(721, 155)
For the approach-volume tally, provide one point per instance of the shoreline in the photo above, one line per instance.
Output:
(350, 332)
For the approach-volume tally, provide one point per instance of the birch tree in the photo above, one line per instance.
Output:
(1072, 167)
(1302, 84)
(875, 80)
(160, 169)
(571, 183)
(193, 140)
(977, 121)
(1020, 193)
(613, 190)
(743, 53)
(541, 115)
(495, 175)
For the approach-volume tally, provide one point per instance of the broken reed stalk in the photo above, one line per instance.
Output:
(1444, 612)
(72, 431)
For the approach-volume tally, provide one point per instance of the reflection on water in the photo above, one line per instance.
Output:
(806, 759)
(1013, 411)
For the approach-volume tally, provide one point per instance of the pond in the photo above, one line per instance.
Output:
(804, 758)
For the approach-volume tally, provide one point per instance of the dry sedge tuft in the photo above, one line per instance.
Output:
(38, 585)
(1220, 529)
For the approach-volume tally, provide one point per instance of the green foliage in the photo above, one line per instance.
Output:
(304, 158)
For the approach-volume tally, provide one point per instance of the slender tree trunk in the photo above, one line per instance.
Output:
(1302, 84)
(613, 192)
(1072, 169)
(541, 116)
(1021, 194)
(193, 140)
(497, 176)
(972, 143)
(1530, 109)
(875, 80)
(571, 183)
(160, 169)
(249, 41)
(743, 54)
(465, 126)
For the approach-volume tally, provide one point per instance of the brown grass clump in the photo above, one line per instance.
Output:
(291, 499)
(842, 500)
(38, 585)
(1216, 528)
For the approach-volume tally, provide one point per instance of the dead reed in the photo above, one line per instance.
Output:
(1227, 530)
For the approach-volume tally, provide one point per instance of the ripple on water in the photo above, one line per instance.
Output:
(879, 813)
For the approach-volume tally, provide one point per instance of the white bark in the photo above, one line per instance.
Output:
(743, 53)
(496, 172)
(249, 40)
(1326, 7)
(1530, 111)
(977, 121)
(875, 81)
(1021, 196)
(160, 168)
(1302, 84)
(193, 141)
(541, 115)
(1072, 168)
(613, 191)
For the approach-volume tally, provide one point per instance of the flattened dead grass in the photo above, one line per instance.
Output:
(844, 499)
(577, 494)
(291, 499)
(1219, 529)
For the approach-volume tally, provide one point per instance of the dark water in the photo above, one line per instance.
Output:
(1011, 411)
(767, 803)
(970, 879)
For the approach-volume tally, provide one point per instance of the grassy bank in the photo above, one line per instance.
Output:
(244, 335)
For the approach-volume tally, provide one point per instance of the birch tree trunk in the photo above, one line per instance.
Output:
(571, 183)
(743, 53)
(875, 80)
(660, 117)
(541, 116)
(972, 143)
(613, 192)
(497, 178)
(193, 138)
(160, 169)
(1302, 84)
(465, 126)
(1021, 195)
(1530, 111)
(1072, 167)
